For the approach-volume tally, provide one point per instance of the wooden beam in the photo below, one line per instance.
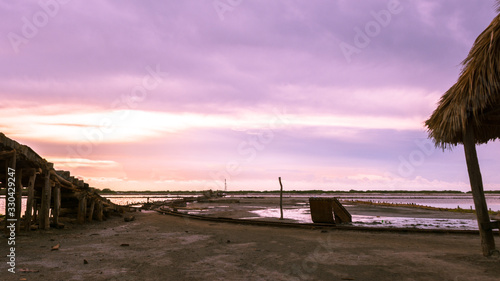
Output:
(341, 214)
(7, 154)
(99, 210)
(31, 198)
(82, 209)
(57, 205)
(61, 180)
(91, 209)
(44, 219)
(476, 183)
(281, 198)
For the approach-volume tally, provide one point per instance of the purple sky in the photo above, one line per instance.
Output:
(167, 95)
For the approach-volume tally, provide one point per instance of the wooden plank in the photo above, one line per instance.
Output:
(341, 214)
(321, 210)
(30, 200)
(44, 219)
(476, 182)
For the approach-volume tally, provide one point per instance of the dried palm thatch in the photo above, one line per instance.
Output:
(475, 98)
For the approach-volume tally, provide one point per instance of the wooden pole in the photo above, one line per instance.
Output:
(99, 211)
(30, 200)
(281, 198)
(57, 205)
(91, 210)
(18, 196)
(82, 209)
(43, 216)
(476, 183)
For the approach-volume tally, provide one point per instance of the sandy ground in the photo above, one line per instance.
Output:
(162, 247)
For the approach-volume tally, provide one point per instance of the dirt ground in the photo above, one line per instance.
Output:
(163, 247)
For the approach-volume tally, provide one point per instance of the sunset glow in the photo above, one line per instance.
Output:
(170, 95)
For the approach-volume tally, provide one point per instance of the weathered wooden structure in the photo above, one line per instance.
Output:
(48, 191)
(328, 210)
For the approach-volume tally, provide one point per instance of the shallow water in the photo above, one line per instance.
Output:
(117, 199)
(439, 200)
(301, 212)
(303, 215)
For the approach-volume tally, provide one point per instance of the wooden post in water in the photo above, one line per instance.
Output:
(281, 198)
(18, 197)
(30, 201)
(476, 183)
(44, 219)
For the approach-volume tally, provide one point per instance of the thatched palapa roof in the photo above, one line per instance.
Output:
(475, 97)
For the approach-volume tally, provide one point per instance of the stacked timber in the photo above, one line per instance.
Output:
(50, 193)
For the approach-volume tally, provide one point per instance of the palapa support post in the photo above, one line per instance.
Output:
(476, 183)
(91, 210)
(57, 205)
(82, 209)
(18, 198)
(44, 214)
(30, 200)
(281, 198)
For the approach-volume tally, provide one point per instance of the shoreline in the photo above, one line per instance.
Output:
(364, 215)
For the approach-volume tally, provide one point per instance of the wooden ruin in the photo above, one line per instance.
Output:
(328, 210)
(48, 191)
